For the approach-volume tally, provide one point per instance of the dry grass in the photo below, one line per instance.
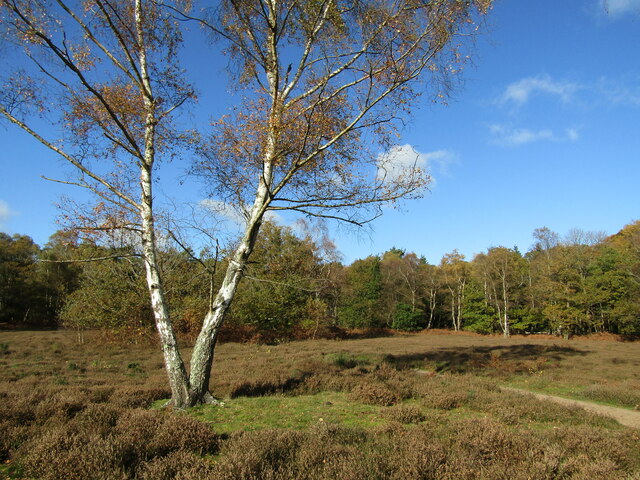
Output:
(81, 411)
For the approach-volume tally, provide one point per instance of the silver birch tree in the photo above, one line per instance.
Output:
(325, 85)
(106, 75)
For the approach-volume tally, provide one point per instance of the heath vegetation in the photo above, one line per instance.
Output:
(403, 406)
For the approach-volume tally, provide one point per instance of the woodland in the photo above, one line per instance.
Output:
(297, 287)
(144, 290)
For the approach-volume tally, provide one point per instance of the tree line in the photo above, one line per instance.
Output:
(297, 286)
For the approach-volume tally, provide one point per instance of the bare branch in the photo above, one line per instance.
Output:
(89, 33)
(76, 163)
(93, 259)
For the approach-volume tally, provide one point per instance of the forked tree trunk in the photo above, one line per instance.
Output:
(204, 348)
(188, 391)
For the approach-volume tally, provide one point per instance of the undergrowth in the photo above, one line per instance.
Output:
(310, 410)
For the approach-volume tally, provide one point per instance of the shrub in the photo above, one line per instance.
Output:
(12, 437)
(407, 318)
(63, 453)
(251, 455)
(373, 394)
(406, 414)
(323, 452)
(143, 435)
(445, 400)
(98, 418)
(179, 465)
(132, 397)
(612, 394)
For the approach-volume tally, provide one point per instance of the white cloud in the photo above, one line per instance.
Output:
(623, 92)
(224, 211)
(274, 217)
(440, 159)
(5, 214)
(512, 137)
(521, 91)
(404, 160)
(398, 161)
(621, 7)
(572, 134)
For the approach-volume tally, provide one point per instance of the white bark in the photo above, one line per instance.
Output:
(505, 301)
(172, 359)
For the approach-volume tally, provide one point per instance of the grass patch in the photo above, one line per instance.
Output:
(292, 413)
(349, 360)
(544, 385)
(8, 470)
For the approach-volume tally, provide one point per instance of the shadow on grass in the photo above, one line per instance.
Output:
(342, 370)
(497, 359)
(265, 387)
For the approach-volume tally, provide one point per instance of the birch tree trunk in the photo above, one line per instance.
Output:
(203, 350)
(505, 301)
(174, 364)
(453, 309)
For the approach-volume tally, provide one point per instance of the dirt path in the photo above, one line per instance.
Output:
(625, 417)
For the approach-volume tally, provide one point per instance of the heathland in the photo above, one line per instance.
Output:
(405, 406)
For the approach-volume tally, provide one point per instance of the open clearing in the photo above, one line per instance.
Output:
(624, 417)
(322, 409)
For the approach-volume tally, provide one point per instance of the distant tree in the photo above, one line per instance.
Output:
(57, 278)
(407, 318)
(34, 282)
(455, 275)
(283, 283)
(545, 239)
(402, 283)
(627, 241)
(111, 293)
(503, 272)
(479, 314)
(624, 283)
(431, 281)
(19, 289)
(361, 295)
(569, 299)
(577, 236)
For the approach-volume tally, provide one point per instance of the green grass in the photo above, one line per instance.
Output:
(349, 360)
(544, 385)
(8, 470)
(295, 413)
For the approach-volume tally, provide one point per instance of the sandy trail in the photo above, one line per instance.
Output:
(625, 417)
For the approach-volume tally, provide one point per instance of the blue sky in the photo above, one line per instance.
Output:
(545, 131)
